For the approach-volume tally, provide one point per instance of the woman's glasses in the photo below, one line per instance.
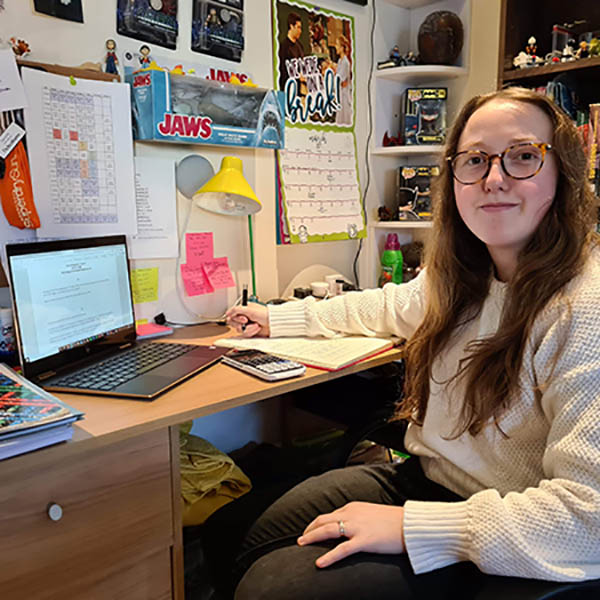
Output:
(520, 161)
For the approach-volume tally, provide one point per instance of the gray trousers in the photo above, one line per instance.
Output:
(276, 568)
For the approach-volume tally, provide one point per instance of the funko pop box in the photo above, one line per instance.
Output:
(185, 108)
(424, 115)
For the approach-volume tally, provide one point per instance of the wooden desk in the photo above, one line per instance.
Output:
(118, 486)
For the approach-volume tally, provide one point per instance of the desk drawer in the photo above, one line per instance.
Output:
(116, 511)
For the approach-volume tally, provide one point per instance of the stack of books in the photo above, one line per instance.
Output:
(30, 418)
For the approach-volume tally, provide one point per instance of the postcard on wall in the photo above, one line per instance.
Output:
(70, 10)
(313, 64)
(81, 155)
(151, 21)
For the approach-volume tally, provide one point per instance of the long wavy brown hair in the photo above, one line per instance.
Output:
(459, 270)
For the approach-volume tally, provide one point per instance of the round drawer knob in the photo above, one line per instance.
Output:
(55, 511)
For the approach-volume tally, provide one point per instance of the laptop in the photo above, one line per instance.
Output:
(75, 323)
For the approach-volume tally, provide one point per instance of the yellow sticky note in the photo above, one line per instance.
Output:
(140, 322)
(144, 285)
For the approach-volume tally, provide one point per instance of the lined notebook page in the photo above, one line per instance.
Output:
(328, 353)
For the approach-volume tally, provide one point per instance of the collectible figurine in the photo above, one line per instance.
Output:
(583, 51)
(384, 214)
(568, 52)
(390, 140)
(212, 19)
(594, 47)
(145, 57)
(19, 47)
(521, 60)
(531, 47)
(410, 58)
(110, 60)
(394, 60)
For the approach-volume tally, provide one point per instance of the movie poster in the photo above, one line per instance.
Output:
(313, 64)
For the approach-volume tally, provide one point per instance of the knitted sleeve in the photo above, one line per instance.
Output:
(551, 531)
(393, 309)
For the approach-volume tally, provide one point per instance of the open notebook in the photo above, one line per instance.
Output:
(325, 353)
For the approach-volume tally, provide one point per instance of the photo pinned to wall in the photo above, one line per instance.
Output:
(218, 28)
(313, 64)
(151, 21)
(70, 10)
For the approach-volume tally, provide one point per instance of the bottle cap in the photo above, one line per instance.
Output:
(392, 243)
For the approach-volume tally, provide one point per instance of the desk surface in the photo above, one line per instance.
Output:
(108, 419)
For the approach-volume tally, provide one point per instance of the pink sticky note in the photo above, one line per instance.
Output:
(198, 248)
(195, 281)
(218, 273)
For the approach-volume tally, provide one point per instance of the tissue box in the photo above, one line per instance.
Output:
(184, 108)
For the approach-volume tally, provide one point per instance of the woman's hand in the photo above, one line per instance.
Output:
(367, 527)
(249, 321)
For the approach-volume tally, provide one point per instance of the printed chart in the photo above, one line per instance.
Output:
(81, 155)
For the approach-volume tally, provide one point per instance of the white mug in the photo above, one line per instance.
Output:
(319, 289)
(335, 288)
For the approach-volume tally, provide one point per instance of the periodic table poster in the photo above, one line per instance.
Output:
(319, 189)
(81, 155)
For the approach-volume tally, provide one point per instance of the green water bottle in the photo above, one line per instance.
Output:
(391, 261)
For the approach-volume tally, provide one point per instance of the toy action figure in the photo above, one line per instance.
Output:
(583, 51)
(110, 60)
(145, 58)
(212, 19)
(531, 47)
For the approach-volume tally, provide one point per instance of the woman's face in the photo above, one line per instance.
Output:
(501, 211)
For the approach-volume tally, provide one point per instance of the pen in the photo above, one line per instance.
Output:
(245, 303)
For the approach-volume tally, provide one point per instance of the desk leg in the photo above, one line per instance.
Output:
(177, 549)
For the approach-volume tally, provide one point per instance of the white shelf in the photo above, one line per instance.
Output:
(408, 150)
(420, 74)
(401, 225)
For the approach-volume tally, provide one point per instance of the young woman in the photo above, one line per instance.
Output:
(502, 389)
(343, 70)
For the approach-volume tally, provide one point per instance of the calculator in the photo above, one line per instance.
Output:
(263, 365)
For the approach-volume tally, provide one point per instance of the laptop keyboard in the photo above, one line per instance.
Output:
(127, 365)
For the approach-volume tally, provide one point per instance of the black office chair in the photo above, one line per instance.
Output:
(364, 405)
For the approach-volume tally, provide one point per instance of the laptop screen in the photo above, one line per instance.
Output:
(70, 295)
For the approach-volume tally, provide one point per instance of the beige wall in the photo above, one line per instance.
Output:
(485, 41)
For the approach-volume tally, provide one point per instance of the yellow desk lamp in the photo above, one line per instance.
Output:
(228, 193)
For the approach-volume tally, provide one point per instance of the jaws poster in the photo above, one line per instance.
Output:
(313, 65)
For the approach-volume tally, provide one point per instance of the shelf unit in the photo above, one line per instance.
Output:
(391, 225)
(387, 90)
(520, 20)
(406, 150)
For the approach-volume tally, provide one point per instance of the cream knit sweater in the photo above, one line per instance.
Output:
(533, 499)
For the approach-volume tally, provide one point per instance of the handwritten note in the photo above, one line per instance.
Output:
(218, 273)
(195, 281)
(198, 248)
(144, 285)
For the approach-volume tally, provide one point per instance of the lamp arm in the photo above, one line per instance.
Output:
(252, 256)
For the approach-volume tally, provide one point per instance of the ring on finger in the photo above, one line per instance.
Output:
(341, 528)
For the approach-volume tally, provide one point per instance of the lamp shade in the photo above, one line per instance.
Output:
(228, 192)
